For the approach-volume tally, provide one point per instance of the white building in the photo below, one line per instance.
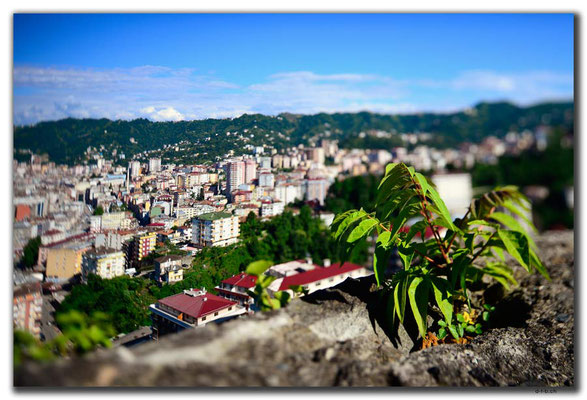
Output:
(154, 165)
(271, 208)
(456, 190)
(266, 179)
(104, 262)
(316, 189)
(215, 229)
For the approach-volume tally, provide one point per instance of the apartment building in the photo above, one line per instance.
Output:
(65, 262)
(105, 262)
(141, 246)
(27, 308)
(215, 229)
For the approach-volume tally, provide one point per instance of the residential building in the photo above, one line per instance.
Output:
(190, 309)
(215, 229)
(27, 308)
(235, 289)
(271, 208)
(167, 263)
(65, 262)
(142, 246)
(235, 175)
(320, 277)
(154, 165)
(316, 189)
(105, 262)
(266, 179)
(250, 170)
(173, 275)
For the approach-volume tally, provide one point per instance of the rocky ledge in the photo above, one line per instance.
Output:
(337, 337)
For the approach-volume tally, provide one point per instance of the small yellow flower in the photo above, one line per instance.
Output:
(467, 318)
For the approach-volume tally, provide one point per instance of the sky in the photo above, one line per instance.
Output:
(170, 67)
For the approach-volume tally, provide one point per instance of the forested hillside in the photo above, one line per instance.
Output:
(65, 141)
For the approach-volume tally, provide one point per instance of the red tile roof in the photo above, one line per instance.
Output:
(241, 280)
(317, 274)
(197, 306)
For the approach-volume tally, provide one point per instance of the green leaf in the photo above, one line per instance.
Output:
(444, 213)
(511, 223)
(352, 217)
(362, 230)
(422, 182)
(381, 256)
(536, 263)
(441, 333)
(256, 268)
(400, 296)
(500, 272)
(516, 244)
(410, 209)
(418, 295)
(406, 254)
(443, 297)
(453, 331)
(283, 297)
(420, 227)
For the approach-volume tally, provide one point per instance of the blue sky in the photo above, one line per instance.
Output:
(185, 66)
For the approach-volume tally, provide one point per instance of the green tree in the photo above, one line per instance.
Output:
(99, 210)
(31, 252)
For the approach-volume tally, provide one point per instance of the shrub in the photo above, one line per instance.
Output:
(438, 272)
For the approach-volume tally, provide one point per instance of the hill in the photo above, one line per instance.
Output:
(66, 141)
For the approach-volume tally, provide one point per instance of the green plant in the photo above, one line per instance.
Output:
(458, 254)
(263, 299)
(80, 334)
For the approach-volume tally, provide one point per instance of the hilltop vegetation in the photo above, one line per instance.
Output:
(65, 141)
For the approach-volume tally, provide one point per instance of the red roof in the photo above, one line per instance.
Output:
(196, 306)
(317, 274)
(241, 280)
(228, 292)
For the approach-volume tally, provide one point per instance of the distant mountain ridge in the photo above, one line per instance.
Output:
(65, 141)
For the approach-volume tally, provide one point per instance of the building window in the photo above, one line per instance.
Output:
(229, 308)
(203, 318)
(215, 314)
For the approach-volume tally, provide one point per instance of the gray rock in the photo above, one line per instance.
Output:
(343, 337)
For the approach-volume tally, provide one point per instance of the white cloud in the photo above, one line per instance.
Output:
(166, 94)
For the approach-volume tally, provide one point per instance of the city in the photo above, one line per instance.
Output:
(133, 229)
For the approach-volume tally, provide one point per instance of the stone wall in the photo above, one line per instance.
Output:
(337, 337)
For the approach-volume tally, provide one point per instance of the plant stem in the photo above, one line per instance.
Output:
(454, 236)
(429, 222)
(482, 248)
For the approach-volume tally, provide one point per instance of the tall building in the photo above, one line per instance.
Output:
(27, 308)
(215, 229)
(135, 168)
(316, 155)
(66, 261)
(235, 175)
(316, 189)
(250, 170)
(154, 165)
(104, 262)
(266, 179)
(141, 247)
